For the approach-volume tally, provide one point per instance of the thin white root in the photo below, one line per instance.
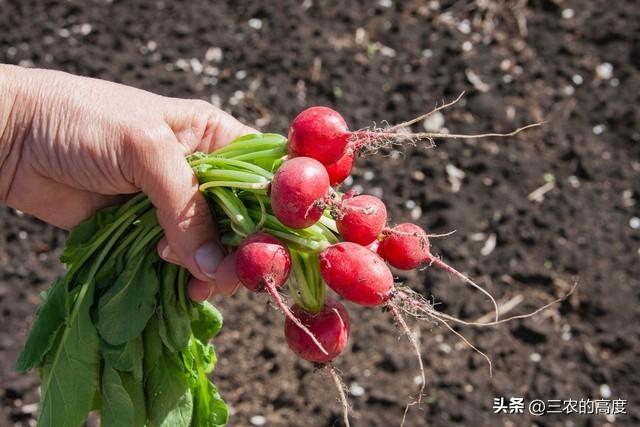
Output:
(466, 341)
(423, 116)
(438, 135)
(407, 332)
(509, 319)
(441, 264)
(341, 394)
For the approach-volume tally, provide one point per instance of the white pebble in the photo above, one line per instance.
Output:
(416, 213)
(535, 357)
(216, 100)
(445, 348)
(214, 54)
(22, 235)
(196, 66)
(434, 122)
(258, 420)
(64, 33)
(85, 29)
(464, 26)
(467, 46)
(604, 71)
(568, 90)
(634, 223)
(605, 391)
(356, 390)
(417, 380)
(427, 53)
(418, 175)
(241, 74)
(255, 23)
(410, 204)
(385, 3)
(574, 181)
(577, 79)
(348, 181)
(568, 13)
(368, 175)
(598, 129)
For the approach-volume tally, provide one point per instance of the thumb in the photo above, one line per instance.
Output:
(160, 170)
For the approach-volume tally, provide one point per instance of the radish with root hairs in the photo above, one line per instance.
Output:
(263, 263)
(360, 219)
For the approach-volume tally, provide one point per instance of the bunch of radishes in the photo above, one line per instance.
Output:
(291, 225)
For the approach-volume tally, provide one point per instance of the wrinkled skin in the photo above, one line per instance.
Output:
(71, 145)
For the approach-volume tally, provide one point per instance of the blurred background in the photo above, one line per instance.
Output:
(533, 213)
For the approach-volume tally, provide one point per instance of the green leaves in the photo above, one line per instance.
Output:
(206, 321)
(49, 320)
(117, 406)
(123, 311)
(71, 369)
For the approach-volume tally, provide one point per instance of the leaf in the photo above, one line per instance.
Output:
(209, 410)
(123, 311)
(206, 321)
(135, 389)
(125, 357)
(117, 406)
(71, 371)
(169, 399)
(175, 323)
(82, 236)
(50, 319)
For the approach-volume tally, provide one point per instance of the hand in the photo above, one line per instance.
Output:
(71, 145)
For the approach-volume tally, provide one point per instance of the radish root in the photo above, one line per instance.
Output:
(340, 387)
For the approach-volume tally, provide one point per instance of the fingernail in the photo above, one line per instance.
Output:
(168, 255)
(208, 258)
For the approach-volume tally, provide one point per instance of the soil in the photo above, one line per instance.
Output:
(386, 60)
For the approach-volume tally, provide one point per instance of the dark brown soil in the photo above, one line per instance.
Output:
(391, 63)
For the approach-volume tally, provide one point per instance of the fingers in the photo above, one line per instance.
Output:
(157, 165)
(199, 126)
(225, 284)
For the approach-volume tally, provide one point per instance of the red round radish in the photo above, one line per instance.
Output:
(356, 274)
(330, 326)
(340, 170)
(361, 219)
(405, 246)
(261, 261)
(320, 133)
(297, 190)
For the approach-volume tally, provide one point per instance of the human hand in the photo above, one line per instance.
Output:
(71, 145)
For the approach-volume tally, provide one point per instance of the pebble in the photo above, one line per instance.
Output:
(213, 54)
(255, 23)
(577, 79)
(598, 129)
(634, 223)
(434, 122)
(535, 357)
(258, 420)
(568, 13)
(356, 390)
(605, 391)
(604, 71)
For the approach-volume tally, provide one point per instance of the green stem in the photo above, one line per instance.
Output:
(235, 184)
(273, 153)
(230, 175)
(239, 164)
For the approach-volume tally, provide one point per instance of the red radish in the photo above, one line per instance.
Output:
(406, 246)
(356, 274)
(361, 219)
(263, 263)
(330, 326)
(320, 133)
(340, 170)
(298, 190)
